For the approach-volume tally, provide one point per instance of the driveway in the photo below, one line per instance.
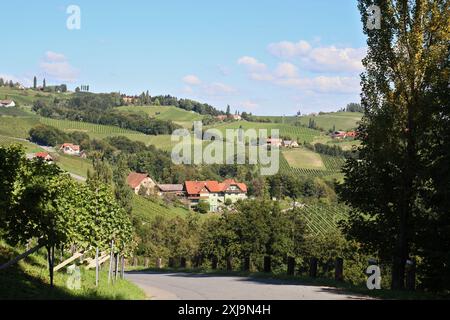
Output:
(187, 286)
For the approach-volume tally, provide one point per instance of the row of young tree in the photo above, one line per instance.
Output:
(41, 203)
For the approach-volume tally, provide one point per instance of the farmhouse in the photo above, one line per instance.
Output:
(274, 142)
(43, 155)
(215, 193)
(138, 181)
(290, 144)
(221, 117)
(71, 149)
(7, 103)
(170, 189)
(343, 134)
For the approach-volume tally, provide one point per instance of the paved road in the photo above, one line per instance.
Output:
(185, 286)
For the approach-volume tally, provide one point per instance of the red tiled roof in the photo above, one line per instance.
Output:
(73, 146)
(197, 187)
(134, 179)
(42, 155)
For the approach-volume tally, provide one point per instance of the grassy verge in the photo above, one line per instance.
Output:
(29, 279)
(305, 280)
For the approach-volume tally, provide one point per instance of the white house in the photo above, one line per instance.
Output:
(7, 103)
(71, 149)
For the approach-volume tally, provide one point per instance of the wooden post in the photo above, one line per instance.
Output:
(214, 262)
(246, 265)
(410, 275)
(229, 264)
(110, 261)
(96, 267)
(313, 267)
(117, 266)
(20, 257)
(339, 270)
(122, 268)
(291, 266)
(183, 263)
(267, 264)
(159, 263)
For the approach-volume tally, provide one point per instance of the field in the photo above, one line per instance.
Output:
(29, 147)
(301, 134)
(179, 116)
(73, 164)
(148, 209)
(322, 218)
(341, 120)
(27, 97)
(303, 158)
(17, 127)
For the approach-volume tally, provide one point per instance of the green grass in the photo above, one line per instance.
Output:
(29, 147)
(177, 115)
(27, 97)
(73, 164)
(29, 279)
(147, 209)
(341, 120)
(17, 127)
(303, 158)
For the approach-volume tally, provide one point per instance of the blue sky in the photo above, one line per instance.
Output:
(265, 57)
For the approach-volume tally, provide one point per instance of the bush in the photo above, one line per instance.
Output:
(47, 135)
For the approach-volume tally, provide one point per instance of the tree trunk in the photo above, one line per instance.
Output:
(159, 263)
(267, 264)
(183, 263)
(246, 266)
(116, 272)
(313, 267)
(51, 259)
(146, 262)
(291, 266)
(339, 270)
(214, 263)
(229, 264)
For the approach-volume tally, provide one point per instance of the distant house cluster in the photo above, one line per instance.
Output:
(215, 193)
(343, 134)
(7, 103)
(43, 155)
(278, 143)
(224, 117)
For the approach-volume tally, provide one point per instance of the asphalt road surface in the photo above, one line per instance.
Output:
(186, 286)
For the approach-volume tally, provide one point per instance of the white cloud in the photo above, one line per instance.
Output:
(251, 64)
(54, 56)
(218, 89)
(286, 49)
(58, 68)
(249, 105)
(320, 59)
(286, 70)
(323, 84)
(192, 80)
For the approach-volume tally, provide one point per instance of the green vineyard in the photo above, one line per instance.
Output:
(332, 168)
(322, 219)
(332, 163)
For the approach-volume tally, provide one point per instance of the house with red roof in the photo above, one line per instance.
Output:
(214, 192)
(141, 181)
(44, 156)
(71, 149)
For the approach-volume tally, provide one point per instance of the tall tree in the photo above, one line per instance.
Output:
(228, 110)
(383, 186)
(43, 83)
(34, 82)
